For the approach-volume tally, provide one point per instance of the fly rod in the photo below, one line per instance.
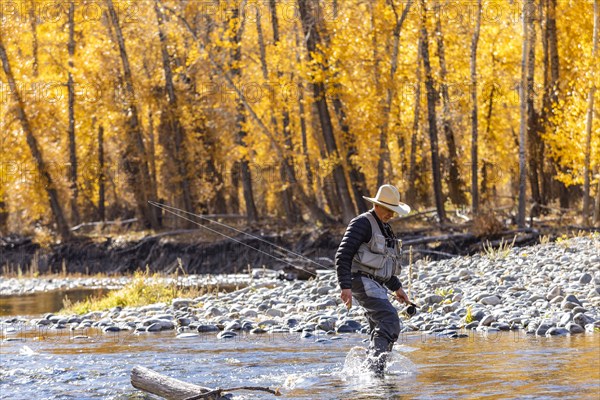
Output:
(177, 212)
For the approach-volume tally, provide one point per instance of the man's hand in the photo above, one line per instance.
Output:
(347, 297)
(401, 296)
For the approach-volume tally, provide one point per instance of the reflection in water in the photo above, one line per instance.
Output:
(505, 366)
(44, 302)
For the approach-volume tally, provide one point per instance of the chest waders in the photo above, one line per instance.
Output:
(374, 264)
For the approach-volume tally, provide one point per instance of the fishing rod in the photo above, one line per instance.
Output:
(177, 212)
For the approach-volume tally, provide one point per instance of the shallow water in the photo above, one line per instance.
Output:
(45, 302)
(511, 365)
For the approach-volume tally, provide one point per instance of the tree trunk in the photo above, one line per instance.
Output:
(411, 195)
(454, 181)
(302, 117)
(135, 160)
(311, 34)
(101, 177)
(550, 97)
(152, 151)
(34, 40)
(3, 215)
(590, 120)
(47, 182)
(523, 93)
(358, 182)
(433, 134)
(488, 127)
(474, 122)
(597, 207)
(533, 130)
(387, 106)
(177, 136)
(292, 213)
(240, 121)
(71, 130)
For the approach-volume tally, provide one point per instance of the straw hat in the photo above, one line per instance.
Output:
(389, 197)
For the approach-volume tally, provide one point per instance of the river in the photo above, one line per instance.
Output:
(38, 364)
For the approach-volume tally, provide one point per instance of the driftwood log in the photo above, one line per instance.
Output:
(173, 389)
(161, 385)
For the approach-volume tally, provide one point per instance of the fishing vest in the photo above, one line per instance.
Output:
(375, 257)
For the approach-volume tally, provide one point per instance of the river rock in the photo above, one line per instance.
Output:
(555, 331)
(203, 328)
(472, 325)
(181, 303)
(214, 312)
(581, 319)
(543, 328)
(348, 326)
(501, 326)
(553, 292)
(572, 299)
(585, 279)
(326, 324)
(226, 335)
(325, 304)
(487, 320)
(233, 326)
(491, 301)
(306, 334)
(187, 335)
(155, 327)
(433, 299)
(248, 313)
(567, 305)
(565, 319)
(574, 328)
(273, 312)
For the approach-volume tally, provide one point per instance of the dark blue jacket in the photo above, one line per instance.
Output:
(358, 232)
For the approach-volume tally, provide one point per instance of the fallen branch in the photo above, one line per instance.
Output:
(152, 382)
(219, 392)
(442, 238)
(103, 223)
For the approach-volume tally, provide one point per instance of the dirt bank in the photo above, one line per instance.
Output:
(161, 253)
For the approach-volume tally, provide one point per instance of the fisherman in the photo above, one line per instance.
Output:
(367, 262)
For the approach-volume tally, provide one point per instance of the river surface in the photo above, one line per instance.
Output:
(45, 302)
(39, 364)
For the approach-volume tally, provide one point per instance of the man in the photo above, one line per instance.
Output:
(368, 259)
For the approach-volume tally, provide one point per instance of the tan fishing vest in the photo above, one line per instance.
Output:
(374, 257)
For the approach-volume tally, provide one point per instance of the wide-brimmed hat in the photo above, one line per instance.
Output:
(389, 197)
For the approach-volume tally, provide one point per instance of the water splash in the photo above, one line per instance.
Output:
(355, 365)
(400, 365)
(27, 351)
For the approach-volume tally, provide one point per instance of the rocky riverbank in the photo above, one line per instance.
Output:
(548, 289)
(23, 286)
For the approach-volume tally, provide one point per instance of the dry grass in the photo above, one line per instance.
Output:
(486, 225)
(500, 252)
(142, 290)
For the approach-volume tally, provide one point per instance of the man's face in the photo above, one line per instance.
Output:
(383, 213)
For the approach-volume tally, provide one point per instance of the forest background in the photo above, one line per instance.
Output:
(293, 110)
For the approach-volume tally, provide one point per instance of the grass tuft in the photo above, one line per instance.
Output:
(501, 252)
(143, 289)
